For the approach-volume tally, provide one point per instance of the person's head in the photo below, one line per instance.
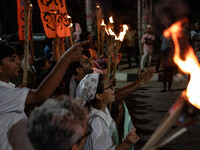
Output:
(9, 63)
(19, 47)
(197, 27)
(95, 90)
(148, 28)
(85, 36)
(48, 42)
(58, 124)
(42, 64)
(81, 68)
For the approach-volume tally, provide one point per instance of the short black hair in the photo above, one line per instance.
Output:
(84, 36)
(72, 67)
(19, 47)
(6, 50)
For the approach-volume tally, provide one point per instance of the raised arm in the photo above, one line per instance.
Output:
(125, 91)
(51, 82)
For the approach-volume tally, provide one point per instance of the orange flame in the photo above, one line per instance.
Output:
(111, 19)
(190, 65)
(102, 23)
(98, 6)
(122, 34)
(71, 25)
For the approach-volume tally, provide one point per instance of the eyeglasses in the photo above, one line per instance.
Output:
(110, 86)
(88, 132)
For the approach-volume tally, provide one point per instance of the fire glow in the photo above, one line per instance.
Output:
(190, 65)
(122, 34)
(102, 23)
(111, 19)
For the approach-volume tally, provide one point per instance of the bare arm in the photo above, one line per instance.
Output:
(51, 82)
(143, 78)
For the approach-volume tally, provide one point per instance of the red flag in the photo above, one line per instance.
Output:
(21, 20)
(54, 18)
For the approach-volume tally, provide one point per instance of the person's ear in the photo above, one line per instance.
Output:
(99, 96)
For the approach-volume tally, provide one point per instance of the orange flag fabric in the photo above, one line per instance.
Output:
(21, 20)
(54, 18)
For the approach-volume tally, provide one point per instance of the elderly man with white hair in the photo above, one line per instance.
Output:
(59, 124)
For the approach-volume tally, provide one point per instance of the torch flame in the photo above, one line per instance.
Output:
(71, 25)
(190, 65)
(69, 17)
(111, 19)
(102, 23)
(98, 6)
(122, 34)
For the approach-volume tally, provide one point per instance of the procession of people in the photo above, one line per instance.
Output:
(63, 99)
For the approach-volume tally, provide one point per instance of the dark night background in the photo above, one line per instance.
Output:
(8, 15)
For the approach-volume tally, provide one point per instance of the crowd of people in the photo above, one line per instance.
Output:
(64, 104)
(37, 116)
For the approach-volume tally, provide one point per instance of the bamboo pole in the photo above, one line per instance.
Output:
(31, 34)
(110, 49)
(173, 115)
(116, 51)
(102, 39)
(26, 18)
(71, 34)
(98, 16)
(171, 137)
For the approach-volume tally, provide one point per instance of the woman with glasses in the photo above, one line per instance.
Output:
(96, 93)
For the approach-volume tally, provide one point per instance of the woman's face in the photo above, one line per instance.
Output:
(108, 92)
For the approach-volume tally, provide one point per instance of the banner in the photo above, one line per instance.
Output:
(54, 18)
(21, 20)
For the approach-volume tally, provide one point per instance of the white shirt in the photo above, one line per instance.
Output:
(12, 103)
(103, 129)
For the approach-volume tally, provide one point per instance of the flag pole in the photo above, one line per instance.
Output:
(26, 18)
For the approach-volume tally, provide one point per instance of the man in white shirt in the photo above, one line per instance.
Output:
(13, 100)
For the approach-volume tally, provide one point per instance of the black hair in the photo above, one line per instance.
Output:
(48, 42)
(72, 67)
(39, 63)
(6, 50)
(84, 36)
(19, 48)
